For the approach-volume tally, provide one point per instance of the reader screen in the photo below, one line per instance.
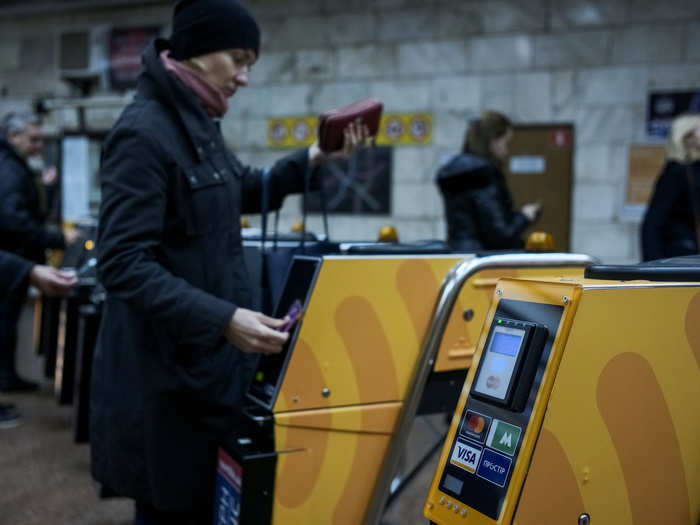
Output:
(500, 357)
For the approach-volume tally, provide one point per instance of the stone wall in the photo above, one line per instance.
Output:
(586, 62)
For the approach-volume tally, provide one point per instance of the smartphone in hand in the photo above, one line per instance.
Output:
(292, 316)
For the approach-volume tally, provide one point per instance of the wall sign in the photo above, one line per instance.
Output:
(395, 129)
(125, 48)
(664, 106)
(359, 185)
(527, 164)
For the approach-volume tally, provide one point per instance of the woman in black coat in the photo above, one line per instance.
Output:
(669, 227)
(478, 205)
(175, 347)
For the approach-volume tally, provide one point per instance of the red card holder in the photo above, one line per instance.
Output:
(332, 123)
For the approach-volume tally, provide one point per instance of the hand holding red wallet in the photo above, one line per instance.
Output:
(334, 124)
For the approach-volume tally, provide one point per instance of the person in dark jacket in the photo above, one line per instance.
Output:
(669, 226)
(176, 344)
(22, 229)
(16, 272)
(478, 205)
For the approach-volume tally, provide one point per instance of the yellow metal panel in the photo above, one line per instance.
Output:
(539, 292)
(329, 475)
(362, 331)
(459, 342)
(623, 411)
(375, 418)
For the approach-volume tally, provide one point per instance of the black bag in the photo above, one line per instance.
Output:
(277, 259)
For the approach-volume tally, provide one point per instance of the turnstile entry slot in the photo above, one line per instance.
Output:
(498, 407)
(245, 478)
(268, 375)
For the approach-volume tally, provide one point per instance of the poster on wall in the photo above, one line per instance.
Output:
(360, 185)
(125, 48)
(645, 162)
(395, 129)
(664, 106)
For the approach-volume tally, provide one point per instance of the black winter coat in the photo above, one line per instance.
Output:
(14, 271)
(22, 229)
(478, 206)
(668, 229)
(166, 385)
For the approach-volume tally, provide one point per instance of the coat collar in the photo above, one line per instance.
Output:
(6, 149)
(156, 81)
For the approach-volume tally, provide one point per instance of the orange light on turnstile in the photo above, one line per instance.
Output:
(388, 234)
(539, 242)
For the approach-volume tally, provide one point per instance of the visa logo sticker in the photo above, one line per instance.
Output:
(465, 456)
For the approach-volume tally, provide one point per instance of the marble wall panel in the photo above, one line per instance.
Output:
(367, 61)
(572, 49)
(647, 44)
(426, 58)
(460, 92)
(499, 53)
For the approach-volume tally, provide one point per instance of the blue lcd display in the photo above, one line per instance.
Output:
(506, 344)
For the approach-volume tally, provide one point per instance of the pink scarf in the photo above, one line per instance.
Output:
(210, 96)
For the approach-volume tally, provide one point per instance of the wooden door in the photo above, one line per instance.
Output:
(540, 169)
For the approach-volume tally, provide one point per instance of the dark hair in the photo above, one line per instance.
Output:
(489, 126)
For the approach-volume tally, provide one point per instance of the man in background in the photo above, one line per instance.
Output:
(22, 227)
(16, 272)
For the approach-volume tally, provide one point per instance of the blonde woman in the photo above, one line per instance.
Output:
(669, 227)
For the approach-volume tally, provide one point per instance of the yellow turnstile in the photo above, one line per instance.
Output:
(581, 407)
(331, 414)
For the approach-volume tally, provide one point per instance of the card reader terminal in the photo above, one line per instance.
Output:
(485, 448)
(509, 362)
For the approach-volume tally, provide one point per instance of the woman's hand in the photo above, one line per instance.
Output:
(532, 211)
(51, 281)
(355, 135)
(255, 333)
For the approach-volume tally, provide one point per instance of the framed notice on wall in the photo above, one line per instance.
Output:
(125, 48)
(664, 106)
(360, 185)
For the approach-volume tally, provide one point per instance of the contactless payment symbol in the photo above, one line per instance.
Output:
(465, 456)
(503, 437)
(475, 425)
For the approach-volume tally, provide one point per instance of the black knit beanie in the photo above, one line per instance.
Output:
(206, 26)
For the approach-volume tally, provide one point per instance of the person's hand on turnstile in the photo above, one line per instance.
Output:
(256, 333)
(52, 281)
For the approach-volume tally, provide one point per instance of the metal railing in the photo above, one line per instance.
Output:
(451, 287)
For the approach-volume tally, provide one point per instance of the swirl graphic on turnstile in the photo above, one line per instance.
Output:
(692, 326)
(300, 471)
(552, 473)
(632, 404)
(359, 326)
